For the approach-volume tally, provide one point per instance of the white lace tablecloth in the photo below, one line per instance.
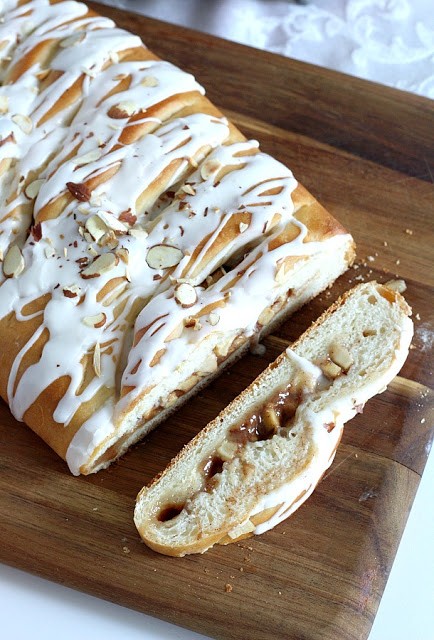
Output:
(387, 41)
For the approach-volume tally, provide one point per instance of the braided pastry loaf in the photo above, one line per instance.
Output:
(263, 456)
(161, 241)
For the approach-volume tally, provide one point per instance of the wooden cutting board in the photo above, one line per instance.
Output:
(364, 151)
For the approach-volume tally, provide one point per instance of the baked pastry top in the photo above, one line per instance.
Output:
(144, 241)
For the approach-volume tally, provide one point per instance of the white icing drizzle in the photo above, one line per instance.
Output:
(81, 142)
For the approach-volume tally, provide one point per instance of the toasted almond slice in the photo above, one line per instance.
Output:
(163, 256)
(185, 295)
(150, 81)
(187, 188)
(109, 240)
(23, 122)
(123, 254)
(33, 188)
(112, 222)
(86, 158)
(140, 234)
(88, 72)
(266, 316)
(96, 227)
(93, 252)
(114, 57)
(42, 74)
(123, 109)
(96, 360)
(340, 356)
(330, 369)
(13, 263)
(213, 318)
(209, 168)
(73, 40)
(96, 321)
(4, 104)
(280, 274)
(101, 265)
(243, 227)
(50, 252)
(73, 291)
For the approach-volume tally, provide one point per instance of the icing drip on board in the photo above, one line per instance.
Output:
(113, 183)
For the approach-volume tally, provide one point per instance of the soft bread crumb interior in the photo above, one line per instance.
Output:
(369, 324)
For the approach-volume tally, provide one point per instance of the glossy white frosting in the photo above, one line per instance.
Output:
(88, 50)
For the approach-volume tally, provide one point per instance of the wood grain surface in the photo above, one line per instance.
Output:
(364, 152)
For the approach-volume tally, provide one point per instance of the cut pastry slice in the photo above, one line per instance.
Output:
(263, 456)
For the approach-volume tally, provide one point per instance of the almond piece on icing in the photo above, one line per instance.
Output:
(4, 104)
(123, 109)
(163, 256)
(13, 263)
(96, 321)
(150, 81)
(33, 188)
(73, 291)
(213, 318)
(96, 360)
(23, 122)
(96, 227)
(185, 295)
(79, 191)
(101, 265)
(86, 158)
(208, 168)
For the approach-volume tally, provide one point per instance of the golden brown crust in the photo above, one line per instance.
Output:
(16, 333)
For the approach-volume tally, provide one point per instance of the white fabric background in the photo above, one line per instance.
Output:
(388, 41)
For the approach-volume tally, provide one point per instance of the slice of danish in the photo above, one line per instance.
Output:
(263, 456)
(161, 244)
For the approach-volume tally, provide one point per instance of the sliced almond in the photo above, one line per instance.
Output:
(109, 240)
(185, 295)
(209, 168)
(42, 74)
(114, 57)
(150, 81)
(123, 254)
(123, 109)
(266, 316)
(101, 265)
(73, 291)
(213, 318)
(187, 188)
(79, 191)
(243, 227)
(23, 122)
(96, 227)
(140, 234)
(33, 188)
(191, 322)
(88, 72)
(96, 321)
(73, 40)
(280, 273)
(50, 252)
(93, 252)
(112, 222)
(163, 256)
(13, 263)
(96, 360)
(86, 158)
(330, 369)
(340, 356)
(4, 104)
